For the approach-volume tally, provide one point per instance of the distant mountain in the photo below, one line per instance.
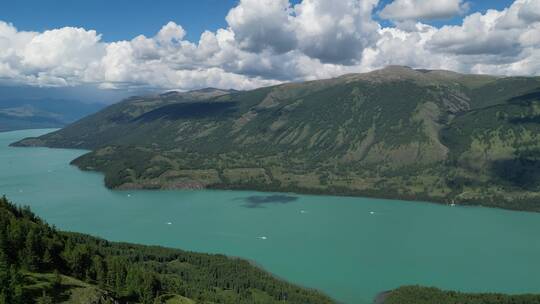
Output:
(42, 113)
(396, 132)
(198, 94)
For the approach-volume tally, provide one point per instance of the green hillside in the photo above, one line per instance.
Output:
(430, 295)
(39, 264)
(397, 133)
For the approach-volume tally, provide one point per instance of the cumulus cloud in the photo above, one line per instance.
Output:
(331, 31)
(496, 42)
(335, 31)
(263, 24)
(53, 57)
(529, 10)
(479, 34)
(496, 36)
(72, 56)
(400, 10)
(170, 33)
(271, 41)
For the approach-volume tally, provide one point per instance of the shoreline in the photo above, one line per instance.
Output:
(371, 194)
(389, 194)
(497, 201)
(381, 297)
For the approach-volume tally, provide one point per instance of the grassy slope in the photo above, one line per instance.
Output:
(69, 291)
(397, 132)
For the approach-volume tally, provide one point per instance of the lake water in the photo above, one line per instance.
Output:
(350, 248)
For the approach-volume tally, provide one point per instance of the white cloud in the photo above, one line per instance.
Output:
(335, 31)
(330, 31)
(170, 33)
(497, 36)
(272, 41)
(529, 11)
(479, 34)
(531, 36)
(400, 10)
(66, 50)
(54, 57)
(263, 24)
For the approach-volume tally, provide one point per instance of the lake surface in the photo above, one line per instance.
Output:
(350, 248)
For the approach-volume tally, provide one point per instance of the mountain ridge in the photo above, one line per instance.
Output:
(396, 132)
(18, 114)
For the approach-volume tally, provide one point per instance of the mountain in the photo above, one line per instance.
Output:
(395, 133)
(39, 264)
(18, 114)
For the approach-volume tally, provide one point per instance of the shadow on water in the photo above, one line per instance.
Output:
(258, 201)
(189, 110)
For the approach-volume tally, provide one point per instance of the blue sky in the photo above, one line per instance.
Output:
(125, 19)
(117, 19)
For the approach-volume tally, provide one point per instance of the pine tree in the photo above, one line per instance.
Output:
(44, 299)
(4, 270)
(57, 280)
(31, 258)
(47, 259)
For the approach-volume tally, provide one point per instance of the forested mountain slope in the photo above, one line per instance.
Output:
(39, 264)
(395, 132)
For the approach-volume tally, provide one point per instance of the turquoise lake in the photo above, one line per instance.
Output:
(349, 248)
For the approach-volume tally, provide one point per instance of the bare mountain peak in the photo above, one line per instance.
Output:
(423, 76)
(197, 94)
(397, 68)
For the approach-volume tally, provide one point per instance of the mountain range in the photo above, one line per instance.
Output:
(397, 132)
(16, 114)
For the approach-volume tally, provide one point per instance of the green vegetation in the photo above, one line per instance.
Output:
(393, 133)
(39, 264)
(427, 295)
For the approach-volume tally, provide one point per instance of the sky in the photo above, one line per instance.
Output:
(243, 44)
